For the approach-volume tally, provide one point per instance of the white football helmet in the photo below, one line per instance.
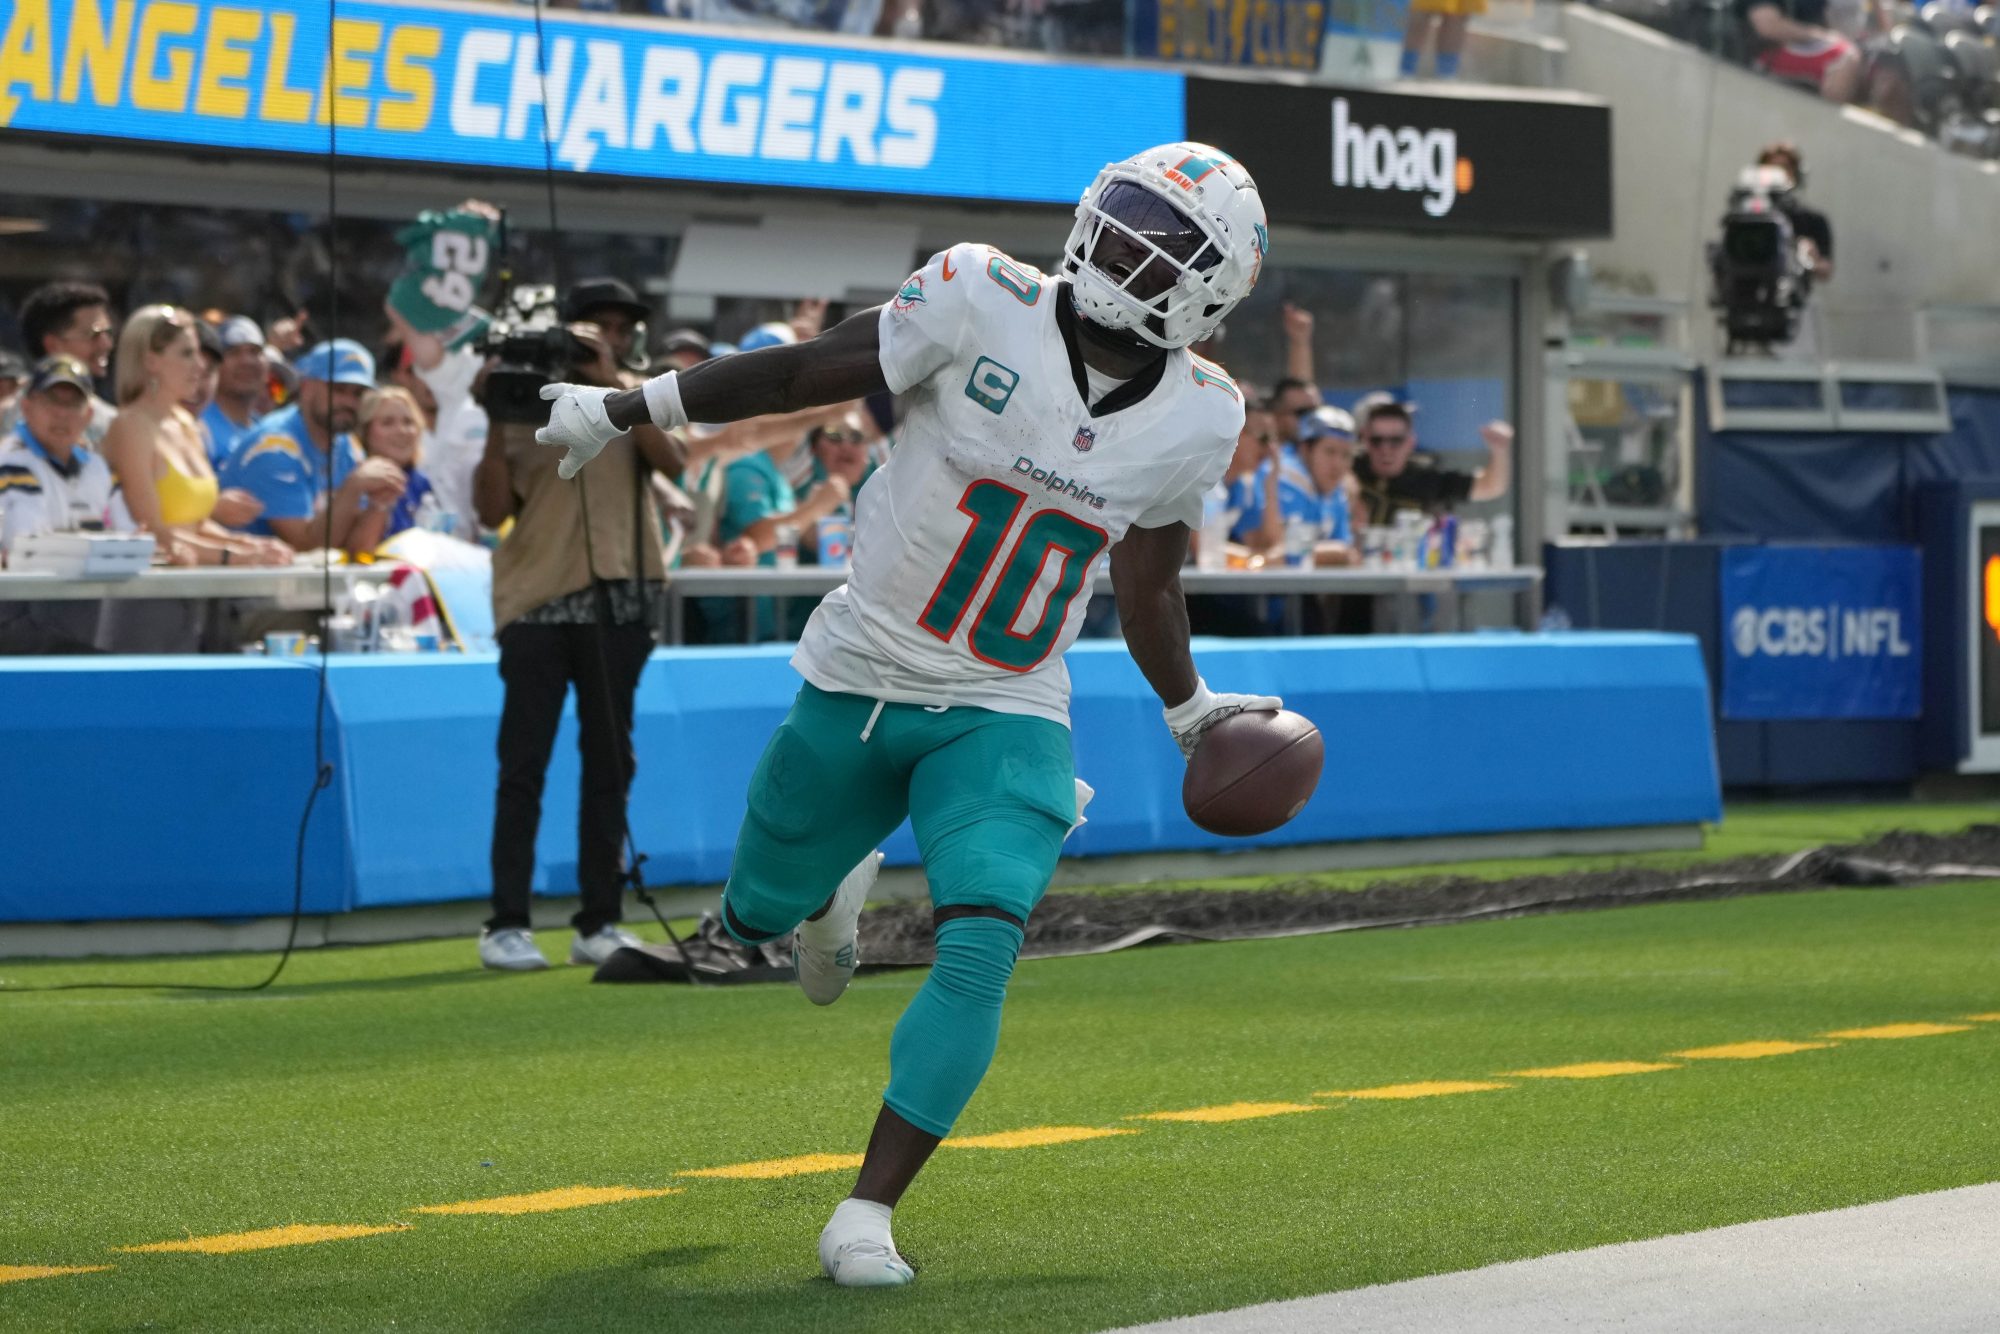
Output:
(1166, 242)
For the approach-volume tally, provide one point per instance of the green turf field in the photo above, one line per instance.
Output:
(374, 1082)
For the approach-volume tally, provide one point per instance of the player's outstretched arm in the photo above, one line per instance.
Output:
(1146, 579)
(841, 364)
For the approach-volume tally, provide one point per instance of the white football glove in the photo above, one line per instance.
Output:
(1204, 709)
(578, 423)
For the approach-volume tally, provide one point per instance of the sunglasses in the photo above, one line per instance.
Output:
(842, 438)
(1386, 439)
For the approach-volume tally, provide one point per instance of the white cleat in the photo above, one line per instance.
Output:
(510, 950)
(825, 951)
(856, 1250)
(598, 948)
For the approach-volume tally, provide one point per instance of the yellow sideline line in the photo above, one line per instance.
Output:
(264, 1239)
(1887, 1031)
(1229, 1111)
(573, 1197)
(804, 1165)
(545, 1201)
(1034, 1137)
(1750, 1051)
(1592, 1070)
(22, 1273)
(1430, 1088)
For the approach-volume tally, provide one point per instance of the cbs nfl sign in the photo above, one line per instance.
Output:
(1821, 632)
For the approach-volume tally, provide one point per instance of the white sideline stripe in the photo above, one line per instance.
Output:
(1923, 1264)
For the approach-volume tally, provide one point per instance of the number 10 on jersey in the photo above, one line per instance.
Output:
(1048, 534)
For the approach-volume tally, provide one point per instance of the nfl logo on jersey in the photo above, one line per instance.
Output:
(1085, 438)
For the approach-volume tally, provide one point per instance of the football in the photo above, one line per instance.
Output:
(1252, 772)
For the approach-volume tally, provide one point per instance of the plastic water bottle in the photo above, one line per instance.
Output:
(1212, 552)
(1447, 541)
(1299, 537)
(432, 516)
(836, 539)
(1502, 555)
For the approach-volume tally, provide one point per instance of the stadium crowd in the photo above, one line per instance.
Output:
(1933, 66)
(233, 444)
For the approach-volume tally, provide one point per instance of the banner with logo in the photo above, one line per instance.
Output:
(463, 84)
(1535, 163)
(1821, 632)
(1305, 36)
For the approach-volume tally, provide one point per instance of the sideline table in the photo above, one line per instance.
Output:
(288, 587)
(1401, 588)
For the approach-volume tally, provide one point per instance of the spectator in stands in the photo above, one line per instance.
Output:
(165, 484)
(51, 481)
(807, 320)
(1242, 483)
(242, 390)
(757, 501)
(1256, 444)
(1448, 18)
(1298, 326)
(13, 374)
(458, 425)
(391, 427)
(73, 320)
(1393, 476)
(1310, 488)
(1808, 224)
(683, 349)
(574, 585)
(288, 333)
(838, 449)
(302, 463)
(1290, 398)
(234, 507)
(1798, 46)
(209, 343)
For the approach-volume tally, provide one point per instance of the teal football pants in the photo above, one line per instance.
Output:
(990, 797)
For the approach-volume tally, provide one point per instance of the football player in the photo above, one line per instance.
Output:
(1049, 422)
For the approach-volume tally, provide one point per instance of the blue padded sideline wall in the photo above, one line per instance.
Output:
(1425, 736)
(164, 787)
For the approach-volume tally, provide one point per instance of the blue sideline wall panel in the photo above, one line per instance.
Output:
(210, 759)
(1425, 736)
(422, 734)
(419, 737)
(163, 787)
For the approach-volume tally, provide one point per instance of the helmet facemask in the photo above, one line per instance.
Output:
(1141, 266)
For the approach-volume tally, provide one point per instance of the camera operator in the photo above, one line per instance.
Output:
(572, 587)
(1771, 251)
(1814, 232)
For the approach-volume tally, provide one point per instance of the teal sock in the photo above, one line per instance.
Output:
(1447, 65)
(946, 1039)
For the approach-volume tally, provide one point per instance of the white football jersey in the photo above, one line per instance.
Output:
(976, 544)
